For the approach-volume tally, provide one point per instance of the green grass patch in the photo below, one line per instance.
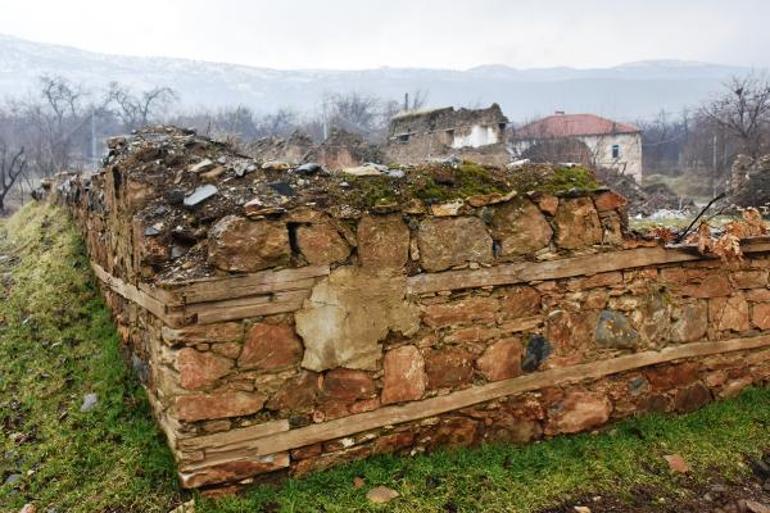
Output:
(57, 343)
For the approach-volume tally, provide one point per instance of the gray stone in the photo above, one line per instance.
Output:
(448, 242)
(200, 195)
(89, 402)
(615, 331)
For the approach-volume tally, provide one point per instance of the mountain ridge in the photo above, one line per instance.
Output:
(627, 91)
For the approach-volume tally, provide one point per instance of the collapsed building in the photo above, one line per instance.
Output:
(287, 320)
(472, 134)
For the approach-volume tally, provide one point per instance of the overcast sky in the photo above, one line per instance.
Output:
(354, 34)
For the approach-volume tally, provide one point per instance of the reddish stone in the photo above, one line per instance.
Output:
(238, 244)
(691, 398)
(348, 384)
(577, 224)
(194, 407)
(472, 310)
(749, 279)
(365, 405)
(269, 346)
(394, 442)
(578, 411)
(199, 370)
(760, 315)
(677, 463)
(322, 244)
(668, 377)
(308, 451)
(713, 285)
(455, 432)
(758, 295)
(404, 376)
(520, 302)
(471, 335)
(448, 367)
(298, 394)
(601, 280)
(383, 242)
(729, 313)
(501, 360)
(609, 200)
(735, 387)
(548, 203)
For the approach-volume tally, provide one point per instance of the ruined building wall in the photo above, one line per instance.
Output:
(312, 334)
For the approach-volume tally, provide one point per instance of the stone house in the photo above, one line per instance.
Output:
(474, 134)
(585, 138)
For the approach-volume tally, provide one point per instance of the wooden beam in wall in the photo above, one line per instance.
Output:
(416, 410)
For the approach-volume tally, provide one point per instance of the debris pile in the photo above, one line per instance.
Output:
(644, 200)
(750, 181)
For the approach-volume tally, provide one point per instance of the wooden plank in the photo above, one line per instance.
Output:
(229, 287)
(132, 293)
(521, 272)
(281, 302)
(231, 439)
(434, 406)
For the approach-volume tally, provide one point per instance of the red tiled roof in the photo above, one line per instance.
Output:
(572, 125)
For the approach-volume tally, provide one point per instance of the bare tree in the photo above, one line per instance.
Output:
(742, 111)
(12, 166)
(137, 110)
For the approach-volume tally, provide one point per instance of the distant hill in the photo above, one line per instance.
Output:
(626, 92)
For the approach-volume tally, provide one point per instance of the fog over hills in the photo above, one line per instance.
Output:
(626, 92)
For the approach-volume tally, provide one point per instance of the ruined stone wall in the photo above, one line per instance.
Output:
(293, 338)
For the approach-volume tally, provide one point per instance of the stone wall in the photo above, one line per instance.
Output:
(292, 338)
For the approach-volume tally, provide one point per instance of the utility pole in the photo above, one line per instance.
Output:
(406, 102)
(93, 139)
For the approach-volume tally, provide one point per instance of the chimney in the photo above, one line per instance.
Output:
(559, 112)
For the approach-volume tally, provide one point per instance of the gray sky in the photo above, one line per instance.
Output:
(351, 34)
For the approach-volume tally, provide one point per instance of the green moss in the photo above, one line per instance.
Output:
(568, 178)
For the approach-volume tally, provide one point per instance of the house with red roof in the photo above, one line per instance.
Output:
(583, 138)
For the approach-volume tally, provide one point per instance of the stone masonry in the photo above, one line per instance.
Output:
(282, 333)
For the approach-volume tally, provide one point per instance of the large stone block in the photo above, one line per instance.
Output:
(383, 242)
(404, 376)
(729, 313)
(577, 224)
(501, 360)
(520, 228)
(238, 244)
(270, 346)
(194, 407)
(449, 367)
(348, 384)
(450, 242)
(199, 370)
(321, 243)
(520, 302)
(578, 411)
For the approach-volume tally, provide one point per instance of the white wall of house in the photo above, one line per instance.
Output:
(476, 136)
(622, 152)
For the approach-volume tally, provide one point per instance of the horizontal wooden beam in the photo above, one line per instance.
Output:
(220, 288)
(523, 272)
(139, 297)
(416, 410)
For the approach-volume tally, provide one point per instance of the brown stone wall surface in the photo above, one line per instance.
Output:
(322, 334)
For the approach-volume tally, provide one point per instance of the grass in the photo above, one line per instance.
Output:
(57, 343)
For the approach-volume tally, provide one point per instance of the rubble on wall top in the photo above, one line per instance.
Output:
(183, 183)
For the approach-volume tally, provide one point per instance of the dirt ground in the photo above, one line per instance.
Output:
(712, 493)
